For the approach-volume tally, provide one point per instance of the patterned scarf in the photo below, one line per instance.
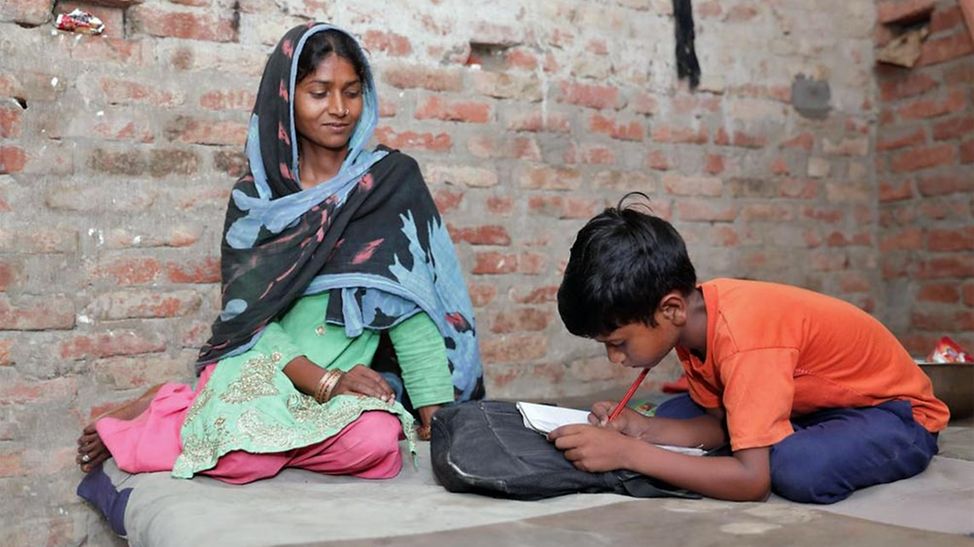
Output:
(371, 235)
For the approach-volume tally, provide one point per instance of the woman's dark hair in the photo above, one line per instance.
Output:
(622, 263)
(322, 44)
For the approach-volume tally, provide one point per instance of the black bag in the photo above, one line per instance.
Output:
(484, 448)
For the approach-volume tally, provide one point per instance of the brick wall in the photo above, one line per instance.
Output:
(925, 170)
(117, 153)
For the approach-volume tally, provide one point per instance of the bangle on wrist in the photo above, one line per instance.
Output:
(326, 384)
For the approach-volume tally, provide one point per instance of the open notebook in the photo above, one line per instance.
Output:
(545, 418)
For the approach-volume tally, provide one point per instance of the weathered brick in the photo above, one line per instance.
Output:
(945, 184)
(28, 12)
(389, 43)
(967, 152)
(488, 146)
(191, 130)
(37, 313)
(128, 270)
(164, 162)
(804, 141)
(550, 178)
(952, 240)
(679, 134)
(565, 206)
(491, 234)
(153, 20)
(954, 128)
(109, 344)
(708, 211)
(658, 161)
(957, 265)
(500, 205)
(38, 391)
(895, 191)
(488, 263)
(407, 76)
(481, 294)
(228, 99)
(631, 130)
(454, 111)
(906, 84)
(501, 85)
(918, 158)
(11, 115)
(849, 146)
(939, 50)
(118, 162)
(939, 292)
(905, 239)
(693, 186)
(536, 122)
(447, 200)
(12, 159)
(536, 295)
(411, 140)
(595, 96)
(128, 304)
(520, 320)
(931, 108)
(513, 348)
(615, 179)
(903, 11)
(891, 140)
(205, 270)
(232, 162)
(461, 175)
(116, 91)
(143, 371)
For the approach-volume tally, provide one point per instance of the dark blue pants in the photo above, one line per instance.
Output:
(834, 452)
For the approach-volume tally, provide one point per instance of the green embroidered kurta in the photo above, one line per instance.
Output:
(250, 404)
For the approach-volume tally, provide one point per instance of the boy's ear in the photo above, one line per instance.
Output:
(673, 308)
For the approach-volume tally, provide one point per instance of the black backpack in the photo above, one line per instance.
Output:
(483, 447)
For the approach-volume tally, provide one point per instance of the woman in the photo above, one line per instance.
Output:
(328, 248)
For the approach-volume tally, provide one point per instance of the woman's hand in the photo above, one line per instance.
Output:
(362, 381)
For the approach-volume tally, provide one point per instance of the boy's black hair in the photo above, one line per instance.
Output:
(322, 44)
(622, 263)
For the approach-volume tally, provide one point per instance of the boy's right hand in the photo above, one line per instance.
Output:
(628, 422)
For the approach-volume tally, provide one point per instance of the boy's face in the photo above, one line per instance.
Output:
(638, 345)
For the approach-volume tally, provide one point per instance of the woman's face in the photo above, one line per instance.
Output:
(328, 103)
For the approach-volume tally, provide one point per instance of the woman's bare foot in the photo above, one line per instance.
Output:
(91, 451)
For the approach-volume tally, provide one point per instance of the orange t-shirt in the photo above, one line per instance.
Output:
(776, 351)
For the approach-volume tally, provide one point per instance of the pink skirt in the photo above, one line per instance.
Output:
(367, 447)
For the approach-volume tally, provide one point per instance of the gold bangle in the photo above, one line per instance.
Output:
(336, 377)
(320, 388)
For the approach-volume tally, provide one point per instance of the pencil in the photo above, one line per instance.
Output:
(625, 398)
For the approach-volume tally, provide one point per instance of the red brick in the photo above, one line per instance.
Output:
(164, 162)
(38, 391)
(12, 159)
(500, 205)
(145, 304)
(941, 321)
(518, 349)
(109, 344)
(28, 12)
(758, 212)
(564, 207)
(212, 132)
(10, 121)
(191, 25)
(672, 134)
(945, 184)
(123, 52)
(893, 140)
(931, 108)
(390, 43)
(489, 263)
(454, 111)
(194, 333)
(117, 91)
(906, 239)
(481, 294)
(481, 235)
(657, 160)
(903, 11)
(960, 72)
(939, 292)
(598, 155)
(520, 320)
(128, 271)
(895, 191)
(142, 371)
(968, 292)
(626, 131)
(957, 239)
(219, 99)
(944, 49)
(967, 152)
(417, 76)
(748, 140)
(536, 295)
(531, 263)
(206, 270)
(905, 84)
(536, 122)
(954, 128)
(644, 103)
(37, 313)
(411, 140)
(521, 59)
(918, 158)
(945, 19)
(956, 265)
(740, 13)
(854, 282)
(447, 200)
(691, 210)
(595, 96)
(779, 166)
(804, 141)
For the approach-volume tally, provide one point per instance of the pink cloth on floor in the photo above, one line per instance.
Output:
(367, 447)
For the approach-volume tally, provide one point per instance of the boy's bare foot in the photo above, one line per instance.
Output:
(91, 451)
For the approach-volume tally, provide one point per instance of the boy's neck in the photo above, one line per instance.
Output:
(694, 336)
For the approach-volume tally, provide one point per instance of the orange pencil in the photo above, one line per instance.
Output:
(625, 399)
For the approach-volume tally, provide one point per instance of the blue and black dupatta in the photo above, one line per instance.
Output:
(371, 235)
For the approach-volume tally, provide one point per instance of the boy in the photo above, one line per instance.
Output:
(817, 398)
